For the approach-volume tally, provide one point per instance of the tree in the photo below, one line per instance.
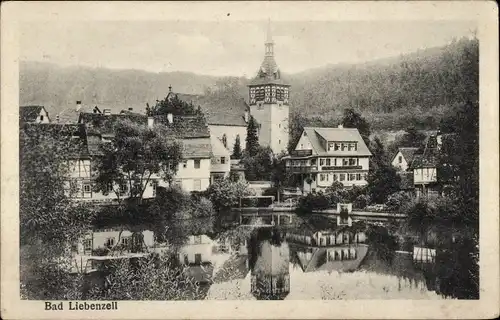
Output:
(352, 119)
(136, 155)
(225, 194)
(174, 105)
(412, 138)
(280, 177)
(236, 148)
(382, 182)
(379, 157)
(252, 140)
(258, 166)
(49, 221)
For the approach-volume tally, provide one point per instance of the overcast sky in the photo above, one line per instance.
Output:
(233, 48)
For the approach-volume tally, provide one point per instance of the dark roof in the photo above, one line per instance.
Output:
(406, 180)
(429, 158)
(98, 123)
(196, 148)
(29, 113)
(74, 135)
(219, 109)
(185, 127)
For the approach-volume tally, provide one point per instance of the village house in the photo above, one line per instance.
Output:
(323, 156)
(220, 160)
(424, 168)
(403, 158)
(33, 114)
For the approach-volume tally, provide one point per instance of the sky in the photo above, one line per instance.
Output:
(228, 48)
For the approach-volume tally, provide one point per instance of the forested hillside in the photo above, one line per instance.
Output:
(415, 89)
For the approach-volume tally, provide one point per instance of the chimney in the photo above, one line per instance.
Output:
(170, 88)
(78, 105)
(340, 126)
(130, 109)
(170, 118)
(246, 116)
(107, 112)
(151, 122)
(57, 118)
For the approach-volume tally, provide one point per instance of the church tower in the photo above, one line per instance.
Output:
(268, 100)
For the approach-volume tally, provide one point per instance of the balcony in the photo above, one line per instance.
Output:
(301, 153)
(302, 169)
(340, 168)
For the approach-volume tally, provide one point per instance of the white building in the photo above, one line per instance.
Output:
(220, 160)
(197, 250)
(323, 156)
(403, 158)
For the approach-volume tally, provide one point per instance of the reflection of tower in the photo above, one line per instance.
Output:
(268, 100)
(269, 258)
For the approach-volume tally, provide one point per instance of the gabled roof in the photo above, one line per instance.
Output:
(185, 127)
(429, 158)
(29, 113)
(73, 135)
(218, 148)
(336, 134)
(196, 148)
(407, 152)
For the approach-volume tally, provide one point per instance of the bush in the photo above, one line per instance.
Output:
(314, 201)
(361, 201)
(225, 194)
(397, 200)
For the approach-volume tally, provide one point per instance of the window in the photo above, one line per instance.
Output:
(186, 259)
(301, 146)
(87, 188)
(344, 146)
(358, 176)
(41, 118)
(123, 188)
(184, 164)
(322, 177)
(331, 146)
(352, 146)
(197, 163)
(222, 160)
(345, 162)
(328, 161)
(110, 242)
(400, 159)
(87, 244)
(224, 140)
(352, 177)
(279, 141)
(335, 177)
(342, 177)
(125, 241)
(154, 184)
(335, 162)
(197, 185)
(352, 161)
(321, 162)
(337, 146)
(197, 239)
(313, 162)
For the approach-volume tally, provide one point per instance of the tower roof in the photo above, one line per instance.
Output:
(268, 70)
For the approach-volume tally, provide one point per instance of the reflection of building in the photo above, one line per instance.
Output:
(323, 156)
(197, 250)
(269, 258)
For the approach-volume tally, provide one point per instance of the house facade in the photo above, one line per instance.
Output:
(424, 168)
(403, 158)
(323, 156)
(197, 250)
(220, 165)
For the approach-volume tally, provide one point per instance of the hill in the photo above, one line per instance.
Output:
(414, 89)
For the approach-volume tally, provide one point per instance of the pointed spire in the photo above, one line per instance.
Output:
(269, 34)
